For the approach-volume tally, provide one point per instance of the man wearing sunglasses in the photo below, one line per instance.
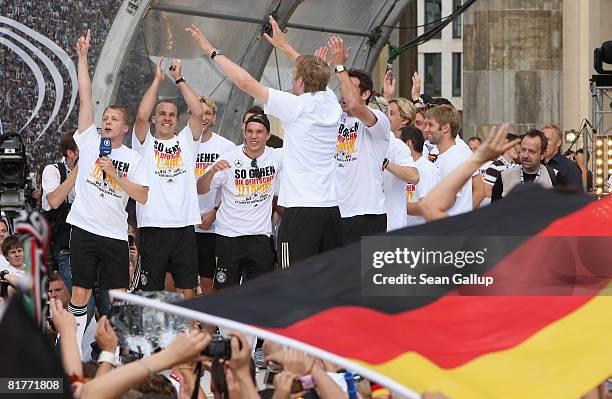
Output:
(247, 178)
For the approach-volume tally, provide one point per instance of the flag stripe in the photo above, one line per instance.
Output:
(449, 332)
(563, 360)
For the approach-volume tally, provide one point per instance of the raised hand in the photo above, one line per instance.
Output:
(221, 165)
(187, 348)
(199, 37)
(241, 353)
(416, 86)
(83, 44)
(293, 361)
(277, 39)
(63, 320)
(159, 73)
(389, 85)
(339, 53)
(176, 69)
(105, 335)
(323, 54)
(495, 144)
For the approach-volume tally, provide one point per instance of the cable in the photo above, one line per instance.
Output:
(277, 70)
(416, 26)
(438, 28)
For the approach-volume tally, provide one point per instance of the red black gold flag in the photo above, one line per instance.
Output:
(511, 345)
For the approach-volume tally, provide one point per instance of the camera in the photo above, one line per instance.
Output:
(220, 347)
(16, 184)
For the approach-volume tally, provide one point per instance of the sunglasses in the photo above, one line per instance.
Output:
(256, 172)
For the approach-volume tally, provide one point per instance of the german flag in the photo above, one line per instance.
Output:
(510, 345)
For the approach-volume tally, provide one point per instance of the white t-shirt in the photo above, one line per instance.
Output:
(360, 152)
(429, 176)
(394, 188)
(311, 126)
(170, 167)
(14, 271)
(449, 161)
(208, 153)
(246, 199)
(3, 263)
(99, 204)
(51, 180)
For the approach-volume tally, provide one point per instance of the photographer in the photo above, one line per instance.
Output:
(58, 194)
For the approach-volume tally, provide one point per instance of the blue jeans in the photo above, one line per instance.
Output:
(62, 258)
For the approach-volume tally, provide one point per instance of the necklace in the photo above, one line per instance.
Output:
(535, 180)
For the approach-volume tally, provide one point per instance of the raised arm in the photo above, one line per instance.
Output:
(204, 181)
(279, 41)
(185, 348)
(350, 93)
(143, 116)
(436, 203)
(86, 112)
(66, 326)
(196, 113)
(389, 85)
(234, 72)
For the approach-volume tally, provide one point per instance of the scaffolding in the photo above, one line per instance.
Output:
(600, 144)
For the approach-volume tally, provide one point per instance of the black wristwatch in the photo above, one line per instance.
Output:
(179, 80)
(215, 53)
(3, 273)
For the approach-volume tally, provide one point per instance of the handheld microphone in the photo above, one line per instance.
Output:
(105, 149)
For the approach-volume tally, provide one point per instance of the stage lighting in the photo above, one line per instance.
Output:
(603, 55)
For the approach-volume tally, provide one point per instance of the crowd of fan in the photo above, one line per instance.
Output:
(60, 23)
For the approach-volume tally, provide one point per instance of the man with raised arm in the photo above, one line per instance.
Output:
(363, 139)
(167, 220)
(310, 117)
(98, 240)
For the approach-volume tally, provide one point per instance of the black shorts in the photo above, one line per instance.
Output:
(172, 250)
(248, 255)
(93, 256)
(355, 227)
(306, 232)
(206, 254)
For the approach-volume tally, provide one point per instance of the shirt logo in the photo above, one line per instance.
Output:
(238, 163)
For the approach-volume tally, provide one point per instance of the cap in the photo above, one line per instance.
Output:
(262, 119)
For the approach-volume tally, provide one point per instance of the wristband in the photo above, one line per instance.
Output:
(106, 357)
(180, 80)
(385, 163)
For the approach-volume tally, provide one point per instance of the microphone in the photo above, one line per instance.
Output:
(105, 149)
